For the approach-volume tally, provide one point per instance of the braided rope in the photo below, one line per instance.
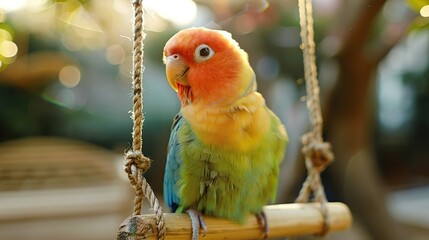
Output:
(317, 153)
(137, 164)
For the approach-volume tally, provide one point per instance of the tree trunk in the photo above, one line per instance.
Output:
(350, 129)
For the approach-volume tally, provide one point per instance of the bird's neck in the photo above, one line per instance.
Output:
(236, 126)
(185, 94)
(188, 97)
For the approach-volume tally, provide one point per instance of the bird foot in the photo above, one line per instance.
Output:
(198, 222)
(262, 220)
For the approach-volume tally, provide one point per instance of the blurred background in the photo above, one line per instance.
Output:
(65, 97)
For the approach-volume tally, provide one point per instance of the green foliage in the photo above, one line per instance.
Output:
(416, 5)
(420, 23)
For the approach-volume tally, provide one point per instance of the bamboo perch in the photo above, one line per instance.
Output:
(284, 220)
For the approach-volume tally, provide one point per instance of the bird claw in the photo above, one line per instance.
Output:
(198, 222)
(262, 220)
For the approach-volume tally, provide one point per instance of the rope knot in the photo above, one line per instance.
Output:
(137, 159)
(319, 153)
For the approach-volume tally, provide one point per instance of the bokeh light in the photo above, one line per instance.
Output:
(8, 49)
(66, 65)
(115, 54)
(5, 35)
(180, 13)
(424, 11)
(67, 98)
(12, 5)
(69, 76)
(71, 41)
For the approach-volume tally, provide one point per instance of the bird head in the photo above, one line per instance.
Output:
(205, 65)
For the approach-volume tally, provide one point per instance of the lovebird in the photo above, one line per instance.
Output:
(226, 145)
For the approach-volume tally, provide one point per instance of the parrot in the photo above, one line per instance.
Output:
(226, 145)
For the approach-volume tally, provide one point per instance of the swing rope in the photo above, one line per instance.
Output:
(137, 164)
(318, 154)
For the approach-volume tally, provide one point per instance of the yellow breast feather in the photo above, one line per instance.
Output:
(238, 126)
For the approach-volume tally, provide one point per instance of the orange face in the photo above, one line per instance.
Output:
(204, 65)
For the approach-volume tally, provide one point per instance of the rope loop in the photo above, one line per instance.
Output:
(137, 159)
(319, 153)
(136, 163)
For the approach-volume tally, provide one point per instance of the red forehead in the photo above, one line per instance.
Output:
(185, 42)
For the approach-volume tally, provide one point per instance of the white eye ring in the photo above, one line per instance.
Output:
(203, 53)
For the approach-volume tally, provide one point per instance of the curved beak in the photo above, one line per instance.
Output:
(176, 70)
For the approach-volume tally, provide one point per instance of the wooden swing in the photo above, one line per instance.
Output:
(284, 220)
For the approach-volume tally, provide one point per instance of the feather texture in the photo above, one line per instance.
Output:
(226, 146)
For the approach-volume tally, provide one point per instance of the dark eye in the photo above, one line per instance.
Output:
(203, 52)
